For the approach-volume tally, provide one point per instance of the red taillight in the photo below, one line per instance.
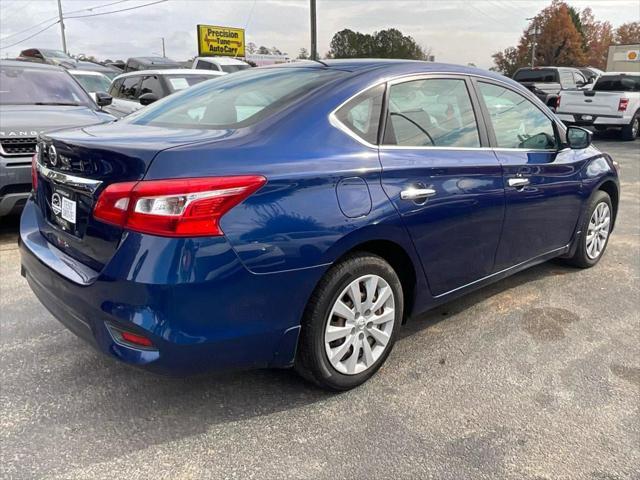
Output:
(184, 207)
(135, 339)
(558, 102)
(623, 104)
(34, 172)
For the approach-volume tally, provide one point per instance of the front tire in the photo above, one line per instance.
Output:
(350, 323)
(596, 228)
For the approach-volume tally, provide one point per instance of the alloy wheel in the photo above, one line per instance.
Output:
(360, 325)
(598, 230)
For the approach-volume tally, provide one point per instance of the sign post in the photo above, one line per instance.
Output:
(220, 41)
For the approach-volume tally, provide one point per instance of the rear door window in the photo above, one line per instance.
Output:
(517, 123)
(431, 113)
(361, 115)
(567, 80)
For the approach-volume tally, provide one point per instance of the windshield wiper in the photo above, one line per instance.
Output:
(68, 104)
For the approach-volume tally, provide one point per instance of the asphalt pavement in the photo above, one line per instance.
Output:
(535, 377)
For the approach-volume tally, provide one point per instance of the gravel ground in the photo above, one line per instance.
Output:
(535, 377)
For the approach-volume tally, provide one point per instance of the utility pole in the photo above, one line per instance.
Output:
(536, 32)
(64, 40)
(163, 52)
(314, 33)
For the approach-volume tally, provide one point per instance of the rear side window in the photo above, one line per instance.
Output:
(517, 123)
(235, 101)
(431, 113)
(361, 115)
(541, 75)
(618, 83)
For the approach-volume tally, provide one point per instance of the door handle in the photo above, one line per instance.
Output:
(518, 182)
(416, 194)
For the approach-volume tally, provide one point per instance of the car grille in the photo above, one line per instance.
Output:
(18, 146)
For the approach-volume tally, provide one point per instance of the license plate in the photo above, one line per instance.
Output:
(63, 207)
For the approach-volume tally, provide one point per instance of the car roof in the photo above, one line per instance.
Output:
(152, 60)
(27, 64)
(171, 71)
(634, 74)
(223, 60)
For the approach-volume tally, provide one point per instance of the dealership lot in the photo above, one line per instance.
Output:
(535, 377)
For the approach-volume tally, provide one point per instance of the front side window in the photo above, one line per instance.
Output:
(517, 123)
(235, 101)
(93, 83)
(431, 113)
(151, 84)
(361, 115)
(129, 88)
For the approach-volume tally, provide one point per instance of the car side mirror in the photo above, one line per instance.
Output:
(103, 99)
(578, 137)
(147, 98)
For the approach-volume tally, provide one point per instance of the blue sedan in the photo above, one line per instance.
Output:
(299, 215)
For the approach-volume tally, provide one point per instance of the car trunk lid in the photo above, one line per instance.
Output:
(75, 166)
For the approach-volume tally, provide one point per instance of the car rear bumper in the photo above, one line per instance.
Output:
(193, 299)
(585, 119)
(15, 183)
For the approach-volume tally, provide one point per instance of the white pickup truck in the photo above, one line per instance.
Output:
(614, 102)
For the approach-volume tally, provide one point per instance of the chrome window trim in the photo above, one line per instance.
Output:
(408, 77)
(71, 181)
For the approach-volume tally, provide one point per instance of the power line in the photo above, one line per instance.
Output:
(117, 11)
(30, 37)
(55, 17)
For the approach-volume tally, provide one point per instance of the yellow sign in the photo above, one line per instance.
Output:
(225, 41)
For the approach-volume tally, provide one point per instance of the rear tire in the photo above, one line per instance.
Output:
(596, 229)
(630, 132)
(343, 341)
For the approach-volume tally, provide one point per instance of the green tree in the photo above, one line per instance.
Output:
(389, 43)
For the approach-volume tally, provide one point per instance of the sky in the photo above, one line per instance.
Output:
(456, 31)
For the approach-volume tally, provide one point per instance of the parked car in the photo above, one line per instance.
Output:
(132, 91)
(612, 103)
(135, 64)
(35, 98)
(107, 71)
(92, 82)
(47, 55)
(221, 64)
(298, 215)
(547, 82)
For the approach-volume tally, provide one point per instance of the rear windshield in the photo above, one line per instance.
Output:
(180, 82)
(542, 75)
(35, 86)
(618, 83)
(234, 101)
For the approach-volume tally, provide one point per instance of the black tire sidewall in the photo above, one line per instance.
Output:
(317, 316)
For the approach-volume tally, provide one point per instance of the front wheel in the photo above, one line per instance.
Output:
(596, 228)
(350, 323)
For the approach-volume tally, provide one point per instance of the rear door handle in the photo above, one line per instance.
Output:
(518, 182)
(416, 194)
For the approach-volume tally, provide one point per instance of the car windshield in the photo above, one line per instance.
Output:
(180, 82)
(618, 83)
(233, 68)
(235, 101)
(541, 75)
(39, 86)
(93, 83)
(54, 54)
